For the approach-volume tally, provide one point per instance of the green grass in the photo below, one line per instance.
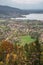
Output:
(3, 27)
(2, 20)
(26, 39)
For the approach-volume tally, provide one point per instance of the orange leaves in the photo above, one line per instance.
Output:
(7, 46)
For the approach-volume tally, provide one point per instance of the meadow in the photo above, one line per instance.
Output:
(26, 39)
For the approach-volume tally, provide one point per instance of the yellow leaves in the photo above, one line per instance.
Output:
(12, 56)
(7, 57)
(34, 44)
(1, 63)
(15, 56)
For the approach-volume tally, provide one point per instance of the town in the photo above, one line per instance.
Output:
(22, 41)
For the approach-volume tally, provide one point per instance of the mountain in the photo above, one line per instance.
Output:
(6, 11)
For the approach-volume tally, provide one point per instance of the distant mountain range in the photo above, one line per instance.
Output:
(6, 11)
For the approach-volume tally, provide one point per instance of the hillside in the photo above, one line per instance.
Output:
(6, 11)
(9, 12)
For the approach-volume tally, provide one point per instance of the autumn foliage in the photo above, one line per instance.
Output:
(29, 54)
(7, 46)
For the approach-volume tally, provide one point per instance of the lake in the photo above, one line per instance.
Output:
(32, 17)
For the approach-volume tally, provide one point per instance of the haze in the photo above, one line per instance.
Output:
(23, 4)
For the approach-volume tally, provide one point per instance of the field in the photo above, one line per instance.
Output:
(26, 39)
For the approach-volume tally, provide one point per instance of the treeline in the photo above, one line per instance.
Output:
(15, 54)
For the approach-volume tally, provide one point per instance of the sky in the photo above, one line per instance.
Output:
(23, 4)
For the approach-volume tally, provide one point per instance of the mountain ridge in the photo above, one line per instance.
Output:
(7, 11)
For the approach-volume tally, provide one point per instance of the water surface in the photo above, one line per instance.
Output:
(32, 17)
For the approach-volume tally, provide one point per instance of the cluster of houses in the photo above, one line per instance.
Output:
(14, 28)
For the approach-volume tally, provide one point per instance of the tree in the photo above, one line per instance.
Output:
(38, 49)
(5, 48)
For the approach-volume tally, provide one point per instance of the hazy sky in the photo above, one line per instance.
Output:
(23, 4)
